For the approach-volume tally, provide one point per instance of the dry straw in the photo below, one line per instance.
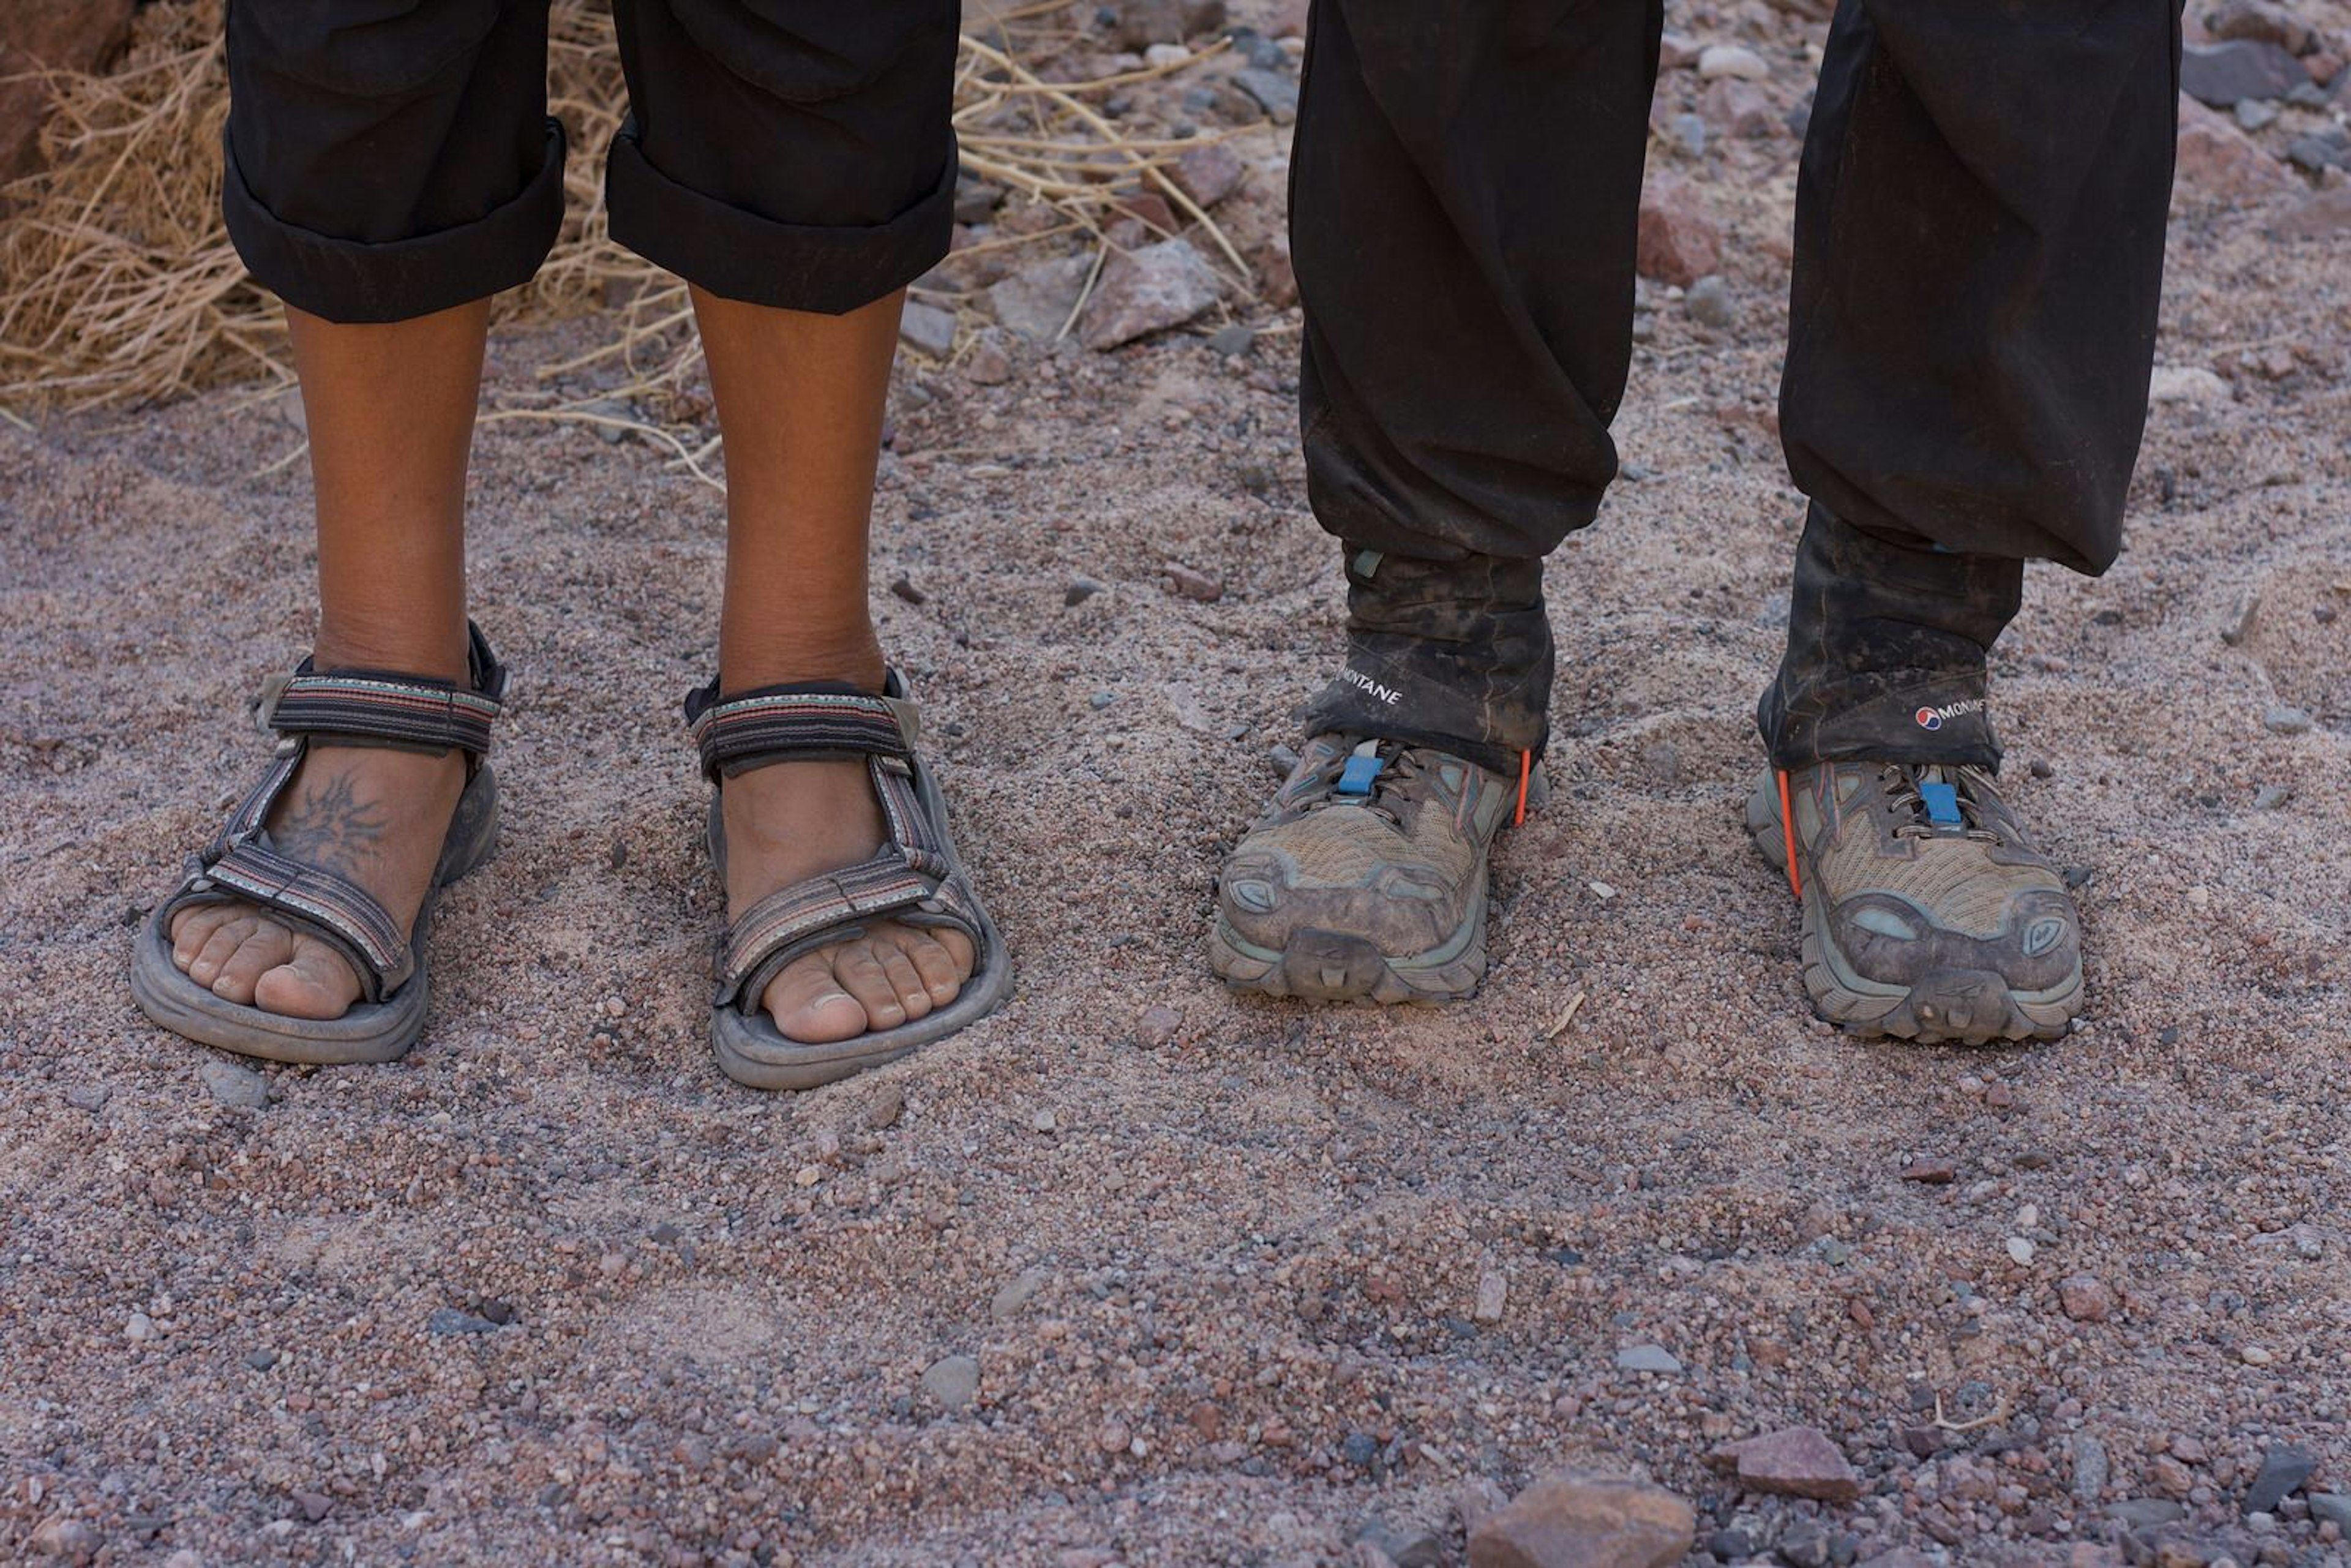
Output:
(118, 286)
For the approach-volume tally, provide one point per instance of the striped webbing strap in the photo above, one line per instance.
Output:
(788, 724)
(342, 908)
(798, 918)
(406, 710)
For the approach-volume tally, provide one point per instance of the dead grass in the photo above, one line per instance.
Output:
(119, 287)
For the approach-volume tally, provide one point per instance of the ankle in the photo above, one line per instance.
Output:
(852, 658)
(344, 644)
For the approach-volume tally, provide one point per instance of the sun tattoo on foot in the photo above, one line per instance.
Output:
(332, 828)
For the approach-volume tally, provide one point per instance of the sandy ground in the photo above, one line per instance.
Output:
(1243, 1259)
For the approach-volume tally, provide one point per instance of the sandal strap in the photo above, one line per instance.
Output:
(398, 709)
(830, 908)
(334, 906)
(797, 724)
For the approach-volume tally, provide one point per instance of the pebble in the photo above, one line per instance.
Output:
(139, 1329)
(2283, 1470)
(1183, 582)
(989, 362)
(444, 1322)
(1493, 1289)
(1688, 132)
(239, 1088)
(2331, 1508)
(888, 1104)
(1730, 61)
(1284, 759)
(1158, 1024)
(69, 1539)
(2283, 718)
(1209, 175)
(1648, 1358)
(953, 1381)
(91, 1097)
(2254, 1356)
(1577, 1518)
(1113, 1437)
(1019, 1292)
(2225, 74)
(1102, 700)
(1934, 1170)
(2145, 1513)
(2019, 1249)
(184, 1558)
(2186, 384)
(1044, 1121)
(2091, 1467)
(927, 328)
(1675, 240)
(1079, 589)
(1795, 1461)
(1233, 342)
(261, 1360)
(1275, 93)
(1360, 1450)
(2085, 1299)
(1709, 303)
(1037, 299)
(902, 587)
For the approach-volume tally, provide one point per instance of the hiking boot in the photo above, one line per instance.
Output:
(1928, 914)
(1365, 881)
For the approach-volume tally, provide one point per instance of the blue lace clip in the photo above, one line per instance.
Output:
(1943, 805)
(1356, 777)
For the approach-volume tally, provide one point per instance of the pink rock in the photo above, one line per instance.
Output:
(2085, 1299)
(2327, 213)
(1739, 108)
(1575, 1520)
(1678, 242)
(1796, 1461)
(1209, 175)
(1147, 290)
(2221, 164)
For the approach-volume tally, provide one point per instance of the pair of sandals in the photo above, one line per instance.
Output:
(915, 877)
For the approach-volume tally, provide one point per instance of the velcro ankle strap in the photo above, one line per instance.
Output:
(397, 709)
(795, 723)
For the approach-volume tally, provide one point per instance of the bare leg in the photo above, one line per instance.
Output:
(391, 412)
(800, 401)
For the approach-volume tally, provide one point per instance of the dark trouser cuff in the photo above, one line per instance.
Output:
(352, 282)
(739, 254)
(1454, 654)
(1888, 642)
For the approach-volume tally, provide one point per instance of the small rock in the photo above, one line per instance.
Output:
(1730, 61)
(2263, 22)
(184, 1558)
(1275, 93)
(139, 1329)
(2283, 718)
(953, 1381)
(1648, 1358)
(1796, 1461)
(2020, 1250)
(2219, 164)
(1283, 759)
(902, 587)
(1493, 1288)
(1688, 132)
(1209, 175)
(927, 328)
(2145, 1513)
(1183, 581)
(1709, 303)
(1158, 1024)
(2091, 1467)
(2283, 1470)
(444, 1322)
(1676, 241)
(2085, 1299)
(1079, 589)
(239, 1088)
(1102, 700)
(1037, 301)
(89, 1097)
(1474, 1499)
(1113, 1437)
(2270, 797)
(1019, 1292)
(2241, 618)
(1406, 1546)
(2331, 1508)
(1045, 1121)
(1147, 290)
(315, 1506)
(68, 1539)
(1934, 1170)
(2223, 74)
(1230, 343)
(261, 1360)
(1742, 108)
(2314, 152)
(989, 362)
(975, 201)
(2186, 384)
(888, 1104)
(1574, 1520)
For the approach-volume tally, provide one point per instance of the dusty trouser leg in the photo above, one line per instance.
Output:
(1979, 255)
(1469, 295)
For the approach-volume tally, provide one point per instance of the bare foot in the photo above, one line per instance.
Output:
(789, 821)
(372, 816)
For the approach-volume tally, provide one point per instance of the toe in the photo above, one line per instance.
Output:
(193, 926)
(858, 966)
(941, 977)
(220, 947)
(905, 980)
(314, 982)
(810, 1006)
(269, 945)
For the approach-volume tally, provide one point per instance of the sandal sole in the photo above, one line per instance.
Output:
(370, 1031)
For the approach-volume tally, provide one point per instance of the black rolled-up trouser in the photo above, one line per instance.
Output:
(1979, 252)
(391, 158)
